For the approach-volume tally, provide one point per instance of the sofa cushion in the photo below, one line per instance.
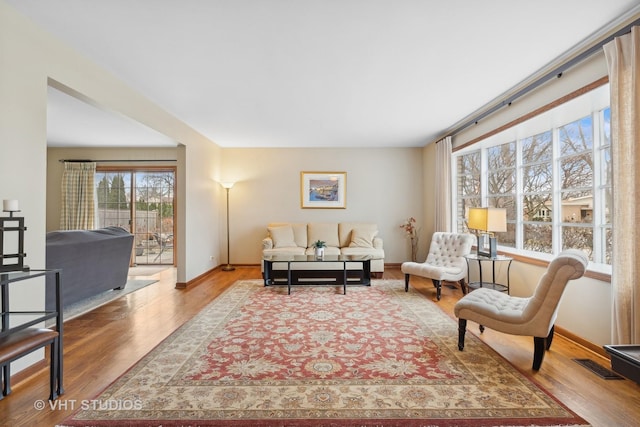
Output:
(294, 250)
(282, 236)
(327, 232)
(362, 237)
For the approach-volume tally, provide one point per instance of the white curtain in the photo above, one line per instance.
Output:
(78, 201)
(443, 185)
(623, 59)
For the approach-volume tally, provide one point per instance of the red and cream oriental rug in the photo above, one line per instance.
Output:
(377, 356)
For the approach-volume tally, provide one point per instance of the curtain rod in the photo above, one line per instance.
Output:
(113, 161)
(555, 73)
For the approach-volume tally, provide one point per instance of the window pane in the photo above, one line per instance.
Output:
(537, 237)
(470, 163)
(577, 206)
(502, 182)
(576, 137)
(537, 207)
(576, 171)
(537, 148)
(537, 187)
(507, 238)
(537, 178)
(501, 156)
(469, 185)
(578, 238)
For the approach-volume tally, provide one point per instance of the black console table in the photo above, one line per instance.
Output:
(484, 283)
(18, 327)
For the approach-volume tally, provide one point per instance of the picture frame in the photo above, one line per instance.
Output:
(323, 190)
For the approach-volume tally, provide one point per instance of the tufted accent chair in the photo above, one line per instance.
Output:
(532, 316)
(445, 261)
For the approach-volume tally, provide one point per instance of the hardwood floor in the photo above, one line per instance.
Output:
(101, 345)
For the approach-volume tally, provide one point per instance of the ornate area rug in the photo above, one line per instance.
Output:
(377, 356)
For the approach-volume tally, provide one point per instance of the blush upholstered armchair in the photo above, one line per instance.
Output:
(533, 316)
(445, 261)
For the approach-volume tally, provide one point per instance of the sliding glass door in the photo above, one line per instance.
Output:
(141, 200)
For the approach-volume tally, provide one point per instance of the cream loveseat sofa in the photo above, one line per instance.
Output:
(347, 238)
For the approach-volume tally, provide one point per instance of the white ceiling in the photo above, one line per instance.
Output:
(309, 73)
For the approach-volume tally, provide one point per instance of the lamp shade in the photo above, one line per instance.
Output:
(488, 219)
(227, 184)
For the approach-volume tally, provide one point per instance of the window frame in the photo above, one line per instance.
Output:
(520, 129)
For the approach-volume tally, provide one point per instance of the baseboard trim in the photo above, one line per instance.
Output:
(197, 280)
(30, 370)
(599, 350)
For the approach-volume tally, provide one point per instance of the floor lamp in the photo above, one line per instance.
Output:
(227, 186)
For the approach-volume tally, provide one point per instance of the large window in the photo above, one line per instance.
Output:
(552, 174)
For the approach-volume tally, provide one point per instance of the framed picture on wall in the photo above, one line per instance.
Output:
(323, 190)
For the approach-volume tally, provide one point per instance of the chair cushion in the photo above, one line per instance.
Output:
(433, 271)
(500, 312)
(282, 236)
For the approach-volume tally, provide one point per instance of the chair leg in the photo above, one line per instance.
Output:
(463, 286)
(6, 373)
(538, 352)
(462, 329)
(438, 286)
(53, 369)
(1, 382)
(550, 337)
(406, 282)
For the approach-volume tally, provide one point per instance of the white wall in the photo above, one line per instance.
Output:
(383, 186)
(31, 58)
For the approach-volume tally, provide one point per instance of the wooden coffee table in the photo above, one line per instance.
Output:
(312, 270)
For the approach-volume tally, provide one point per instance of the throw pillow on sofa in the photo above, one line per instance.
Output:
(362, 237)
(282, 236)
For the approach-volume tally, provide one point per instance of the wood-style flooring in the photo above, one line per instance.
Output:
(101, 345)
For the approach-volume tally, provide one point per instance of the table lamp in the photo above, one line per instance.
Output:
(486, 222)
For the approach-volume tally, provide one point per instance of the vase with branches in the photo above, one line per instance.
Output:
(411, 231)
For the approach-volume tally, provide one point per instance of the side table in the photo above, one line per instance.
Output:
(486, 284)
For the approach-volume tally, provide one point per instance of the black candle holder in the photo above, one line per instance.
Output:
(12, 261)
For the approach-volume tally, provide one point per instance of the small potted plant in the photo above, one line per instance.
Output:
(319, 246)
